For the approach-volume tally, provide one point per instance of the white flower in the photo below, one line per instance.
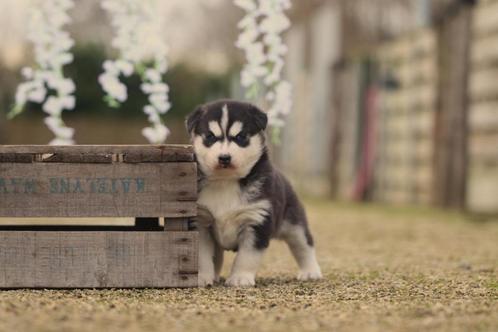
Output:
(53, 106)
(125, 67)
(247, 38)
(276, 24)
(52, 52)
(149, 110)
(27, 73)
(113, 87)
(68, 102)
(154, 88)
(256, 53)
(138, 39)
(65, 87)
(56, 125)
(159, 102)
(153, 117)
(37, 95)
(247, 5)
(283, 97)
(60, 60)
(264, 51)
(156, 134)
(153, 75)
(111, 68)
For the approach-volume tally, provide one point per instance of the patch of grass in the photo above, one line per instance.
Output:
(493, 285)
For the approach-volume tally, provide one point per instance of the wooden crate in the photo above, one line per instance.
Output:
(143, 182)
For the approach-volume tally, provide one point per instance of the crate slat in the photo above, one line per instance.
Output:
(98, 190)
(16, 158)
(132, 153)
(97, 259)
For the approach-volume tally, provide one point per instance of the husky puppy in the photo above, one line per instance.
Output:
(250, 201)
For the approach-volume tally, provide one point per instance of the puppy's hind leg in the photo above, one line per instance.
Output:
(300, 242)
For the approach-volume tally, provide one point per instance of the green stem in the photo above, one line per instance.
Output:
(15, 111)
(253, 92)
(275, 136)
(111, 102)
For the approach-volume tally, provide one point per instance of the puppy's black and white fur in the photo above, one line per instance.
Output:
(250, 201)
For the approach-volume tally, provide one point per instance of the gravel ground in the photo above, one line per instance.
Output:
(385, 269)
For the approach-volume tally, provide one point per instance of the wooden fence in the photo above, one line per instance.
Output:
(482, 185)
(405, 150)
(435, 122)
(347, 118)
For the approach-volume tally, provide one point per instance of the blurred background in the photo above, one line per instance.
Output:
(395, 101)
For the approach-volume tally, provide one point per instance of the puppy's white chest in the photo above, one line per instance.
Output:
(223, 199)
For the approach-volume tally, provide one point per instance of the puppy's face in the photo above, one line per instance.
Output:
(228, 138)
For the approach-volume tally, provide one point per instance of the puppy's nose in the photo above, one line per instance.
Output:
(224, 159)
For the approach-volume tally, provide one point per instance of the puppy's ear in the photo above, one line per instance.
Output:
(193, 119)
(260, 118)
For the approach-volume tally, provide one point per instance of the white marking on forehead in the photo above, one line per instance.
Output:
(215, 128)
(235, 129)
(224, 119)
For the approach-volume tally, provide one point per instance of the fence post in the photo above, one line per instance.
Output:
(454, 37)
(338, 74)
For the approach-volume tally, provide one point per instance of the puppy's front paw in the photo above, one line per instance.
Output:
(205, 279)
(240, 280)
(309, 274)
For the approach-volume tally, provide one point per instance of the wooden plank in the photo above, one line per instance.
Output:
(484, 84)
(482, 194)
(16, 158)
(14, 225)
(155, 156)
(485, 18)
(98, 259)
(75, 158)
(451, 129)
(177, 224)
(484, 51)
(425, 42)
(98, 190)
(483, 150)
(149, 153)
(483, 117)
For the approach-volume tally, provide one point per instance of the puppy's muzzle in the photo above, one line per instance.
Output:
(224, 160)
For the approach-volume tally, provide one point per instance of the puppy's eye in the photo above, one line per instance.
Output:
(240, 138)
(210, 138)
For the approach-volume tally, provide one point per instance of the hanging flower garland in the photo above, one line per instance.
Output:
(142, 51)
(45, 83)
(261, 41)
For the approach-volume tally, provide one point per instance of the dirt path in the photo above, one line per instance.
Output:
(385, 269)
